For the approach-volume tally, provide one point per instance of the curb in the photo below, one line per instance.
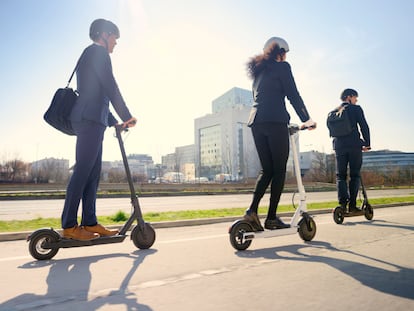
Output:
(14, 236)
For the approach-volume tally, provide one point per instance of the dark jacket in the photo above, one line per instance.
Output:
(97, 87)
(354, 140)
(270, 88)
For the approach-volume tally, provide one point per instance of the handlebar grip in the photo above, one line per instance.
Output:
(133, 122)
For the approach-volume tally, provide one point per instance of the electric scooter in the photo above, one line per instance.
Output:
(339, 212)
(45, 243)
(242, 232)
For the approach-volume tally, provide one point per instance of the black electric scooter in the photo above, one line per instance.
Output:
(339, 212)
(242, 232)
(45, 243)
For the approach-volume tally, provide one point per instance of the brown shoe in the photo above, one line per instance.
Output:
(98, 228)
(79, 233)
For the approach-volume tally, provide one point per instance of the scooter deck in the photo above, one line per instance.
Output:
(269, 233)
(66, 243)
(357, 213)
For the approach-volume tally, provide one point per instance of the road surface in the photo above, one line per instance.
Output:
(359, 265)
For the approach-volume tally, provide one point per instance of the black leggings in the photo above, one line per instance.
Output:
(272, 144)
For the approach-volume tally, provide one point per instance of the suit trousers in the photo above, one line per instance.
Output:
(83, 184)
(352, 158)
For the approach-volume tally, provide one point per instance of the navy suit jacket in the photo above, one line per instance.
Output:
(97, 87)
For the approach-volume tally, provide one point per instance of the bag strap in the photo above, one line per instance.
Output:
(340, 108)
(73, 72)
(76, 67)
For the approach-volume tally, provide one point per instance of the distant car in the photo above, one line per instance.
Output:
(202, 180)
(199, 180)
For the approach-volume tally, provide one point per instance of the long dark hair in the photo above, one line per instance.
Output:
(259, 62)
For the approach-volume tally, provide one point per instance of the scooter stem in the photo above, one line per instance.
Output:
(301, 188)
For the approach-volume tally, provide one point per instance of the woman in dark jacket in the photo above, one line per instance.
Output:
(348, 151)
(272, 83)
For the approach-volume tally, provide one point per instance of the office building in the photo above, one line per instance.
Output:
(386, 161)
(223, 142)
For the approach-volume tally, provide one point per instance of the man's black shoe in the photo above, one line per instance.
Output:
(353, 209)
(272, 224)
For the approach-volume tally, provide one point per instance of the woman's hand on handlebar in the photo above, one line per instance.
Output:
(129, 123)
(310, 125)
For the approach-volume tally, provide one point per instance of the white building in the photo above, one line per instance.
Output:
(223, 142)
(139, 164)
(182, 160)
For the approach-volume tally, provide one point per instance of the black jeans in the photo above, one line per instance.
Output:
(272, 144)
(353, 159)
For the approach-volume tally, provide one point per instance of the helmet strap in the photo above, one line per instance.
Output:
(105, 41)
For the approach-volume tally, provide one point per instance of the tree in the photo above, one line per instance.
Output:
(318, 171)
(50, 170)
(17, 170)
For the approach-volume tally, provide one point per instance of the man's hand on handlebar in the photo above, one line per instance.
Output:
(129, 123)
(310, 125)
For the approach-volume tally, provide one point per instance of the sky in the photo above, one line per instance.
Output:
(175, 57)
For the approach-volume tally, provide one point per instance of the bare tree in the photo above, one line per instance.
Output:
(50, 170)
(319, 170)
(17, 170)
(116, 176)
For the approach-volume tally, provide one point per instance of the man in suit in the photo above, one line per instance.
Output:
(90, 117)
(348, 151)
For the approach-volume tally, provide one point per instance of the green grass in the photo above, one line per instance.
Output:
(120, 217)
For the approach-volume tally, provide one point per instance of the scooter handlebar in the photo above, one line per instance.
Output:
(311, 127)
(119, 129)
(126, 125)
(294, 128)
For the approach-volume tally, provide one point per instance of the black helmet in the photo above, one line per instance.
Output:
(99, 26)
(348, 92)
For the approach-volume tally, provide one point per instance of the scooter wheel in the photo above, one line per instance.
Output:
(338, 215)
(306, 230)
(37, 241)
(236, 235)
(369, 212)
(143, 238)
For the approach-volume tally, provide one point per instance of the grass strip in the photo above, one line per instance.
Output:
(120, 217)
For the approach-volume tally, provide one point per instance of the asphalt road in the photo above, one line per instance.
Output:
(359, 265)
(23, 210)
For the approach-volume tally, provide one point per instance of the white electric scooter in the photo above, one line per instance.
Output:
(242, 232)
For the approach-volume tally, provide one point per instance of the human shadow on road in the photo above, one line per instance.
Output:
(382, 223)
(123, 296)
(396, 280)
(68, 285)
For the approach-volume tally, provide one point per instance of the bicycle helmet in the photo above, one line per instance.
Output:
(348, 92)
(280, 42)
(101, 25)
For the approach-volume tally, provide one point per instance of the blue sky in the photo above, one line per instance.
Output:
(175, 57)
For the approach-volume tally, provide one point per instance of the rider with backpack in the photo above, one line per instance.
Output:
(348, 149)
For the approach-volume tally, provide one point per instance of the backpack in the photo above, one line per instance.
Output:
(338, 122)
